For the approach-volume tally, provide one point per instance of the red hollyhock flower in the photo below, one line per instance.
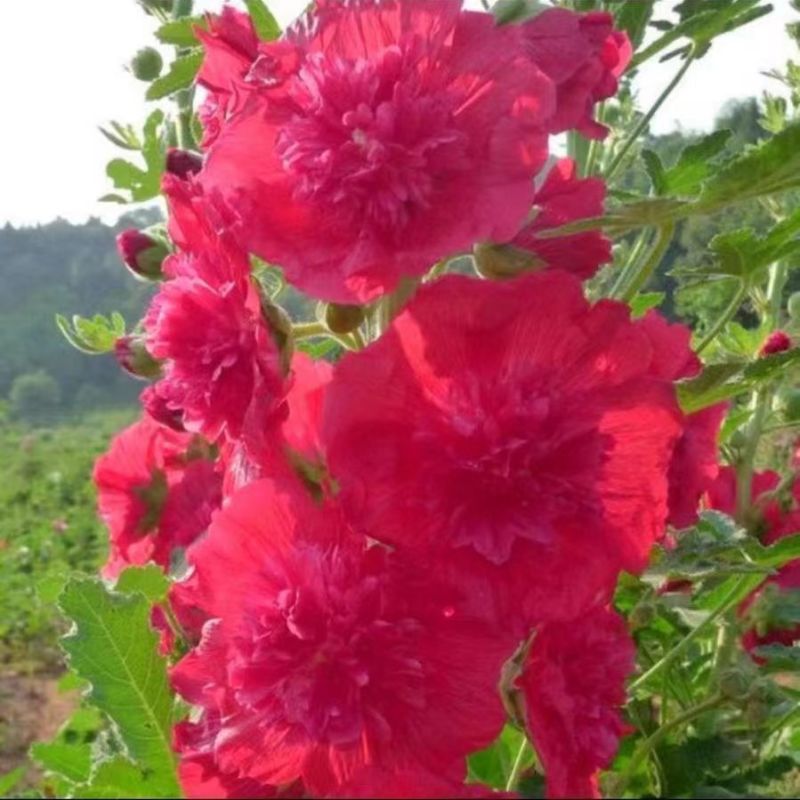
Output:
(325, 657)
(156, 492)
(514, 422)
(584, 57)
(695, 465)
(380, 137)
(561, 199)
(231, 47)
(222, 367)
(573, 684)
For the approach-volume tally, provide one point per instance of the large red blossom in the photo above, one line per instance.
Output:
(573, 684)
(512, 423)
(380, 137)
(565, 198)
(695, 463)
(156, 491)
(221, 368)
(324, 656)
(584, 57)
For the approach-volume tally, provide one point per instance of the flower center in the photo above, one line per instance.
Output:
(369, 139)
(332, 658)
(516, 466)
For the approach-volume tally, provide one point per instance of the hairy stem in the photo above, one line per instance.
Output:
(727, 602)
(724, 318)
(644, 749)
(619, 157)
(650, 264)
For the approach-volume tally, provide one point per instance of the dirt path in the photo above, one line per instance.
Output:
(31, 709)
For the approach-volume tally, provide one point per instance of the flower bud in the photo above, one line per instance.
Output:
(142, 254)
(793, 306)
(147, 64)
(132, 356)
(343, 318)
(500, 261)
(733, 684)
(183, 163)
(642, 615)
(776, 342)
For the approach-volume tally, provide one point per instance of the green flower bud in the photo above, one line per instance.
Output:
(343, 318)
(147, 64)
(500, 261)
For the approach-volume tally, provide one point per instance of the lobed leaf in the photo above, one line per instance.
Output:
(264, 22)
(180, 75)
(113, 647)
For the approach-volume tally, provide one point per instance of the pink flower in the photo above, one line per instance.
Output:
(695, 463)
(561, 199)
(325, 656)
(379, 138)
(221, 367)
(514, 423)
(573, 685)
(584, 57)
(156, 492)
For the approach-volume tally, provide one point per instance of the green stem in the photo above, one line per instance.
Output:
(617, 161)
(724, 318)
(305, 330)
(654, 258)
(727, 602)
(630, 267)
(644, 749)
(516, 769)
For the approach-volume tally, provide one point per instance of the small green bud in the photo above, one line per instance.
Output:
(642, 615)
(343, 318)
(794, 306)
(147, 64)
(131, 354)
(501, 261)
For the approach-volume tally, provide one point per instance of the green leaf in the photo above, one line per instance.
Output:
(695, 164)
(180, 75)
(119, 778)
(94, 336)
(492, 765)
(784, 550)
(180, 32)
(767, 168)
(655, 171)
(149, 581)
(71, 761)
(10, 779)
(633, 18)
(718, 382)
(704, 23)
(642, 303)
(114, 648)
(265, 24)
(779, 657)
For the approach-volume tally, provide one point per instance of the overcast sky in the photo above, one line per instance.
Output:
(62, 74)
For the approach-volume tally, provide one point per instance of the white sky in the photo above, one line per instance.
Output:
(62, 74)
